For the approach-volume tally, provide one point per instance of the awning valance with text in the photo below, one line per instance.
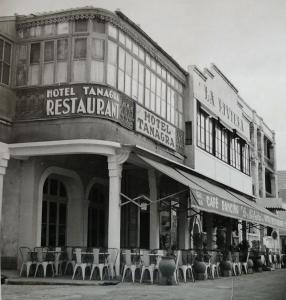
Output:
(215, 199)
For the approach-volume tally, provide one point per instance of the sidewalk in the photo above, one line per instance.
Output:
(266, 285)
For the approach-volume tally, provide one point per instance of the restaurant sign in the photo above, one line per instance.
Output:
(154, 127)
(91, 100)
(214, 204)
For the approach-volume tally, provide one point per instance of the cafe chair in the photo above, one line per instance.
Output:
(244, 264)
(146, 266)
(44, 260)
(26, 259)
(79, 263)
(129, 265)
(96, 265)
(185, 265)
(70, 260)
(111, 262)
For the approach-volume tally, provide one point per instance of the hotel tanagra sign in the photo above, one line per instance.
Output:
(96, 101)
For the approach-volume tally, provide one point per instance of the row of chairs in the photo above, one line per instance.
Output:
(147, 261)
(74, 258)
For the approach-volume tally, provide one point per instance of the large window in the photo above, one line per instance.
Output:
(214, 138)
(54, 213)
(205, 131)
(93, 51)
(5, 61)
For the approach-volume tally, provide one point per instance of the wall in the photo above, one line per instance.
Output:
(211, 167)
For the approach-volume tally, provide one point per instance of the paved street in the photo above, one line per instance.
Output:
(266, 285)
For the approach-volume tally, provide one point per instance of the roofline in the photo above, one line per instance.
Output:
(135, 26)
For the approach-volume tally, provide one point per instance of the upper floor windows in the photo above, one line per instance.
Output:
(5, 61)
(214, 138)
(83, 53)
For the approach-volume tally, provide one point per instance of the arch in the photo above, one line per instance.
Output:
(75, 192)
(96, 213)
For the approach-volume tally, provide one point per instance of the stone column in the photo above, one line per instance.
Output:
(262, 167)
(255, 174)
(273, 158)
(4, 157)
(209, 222)
(114, 210)
(229, 232)
(154, 214)
(183, 226)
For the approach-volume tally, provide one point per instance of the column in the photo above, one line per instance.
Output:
(229, 232)
(114, 211)
(273, 157)
(209, 222)
(154, 214)
(4, 157)
(183, 224)
(262, 166)
(255, 174)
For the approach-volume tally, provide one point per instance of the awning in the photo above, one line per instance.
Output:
(272, 203)
(215, 199)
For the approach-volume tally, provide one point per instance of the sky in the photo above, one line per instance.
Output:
(246, 39)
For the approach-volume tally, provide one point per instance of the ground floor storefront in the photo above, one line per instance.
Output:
(100, 194)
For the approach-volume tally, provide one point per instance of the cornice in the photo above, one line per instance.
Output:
(101, 15)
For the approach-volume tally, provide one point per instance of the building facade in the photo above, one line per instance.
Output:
(106, 141)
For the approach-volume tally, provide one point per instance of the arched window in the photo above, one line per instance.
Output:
(54, 213)
(96, 216)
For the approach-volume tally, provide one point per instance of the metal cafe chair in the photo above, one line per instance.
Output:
(146, 266)
(185, 264)
(129, 265)
(69, 259)
(96, 265)
(236, 265)
(44, 260)
(213, 264)
(79, 263)
(244, 264)
(26, 258)
(110, 264)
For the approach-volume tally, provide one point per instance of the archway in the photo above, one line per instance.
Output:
(97, 216)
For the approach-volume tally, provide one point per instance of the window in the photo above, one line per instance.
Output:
(79, 63)
(5, 61)
(81, 26)
(62, 28)
(34, 68)
(214, 138)
(188, 131)
(111, 63)
(21, 72)
(246, 159)
(98, 27)
(112, 31)
(97, 60)
(62, 61)
(54, 213)
(48, 72)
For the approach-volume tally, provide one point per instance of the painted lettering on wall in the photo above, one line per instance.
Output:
(91, 100)
(152, 126)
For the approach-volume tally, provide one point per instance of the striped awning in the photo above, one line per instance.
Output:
(272, 203)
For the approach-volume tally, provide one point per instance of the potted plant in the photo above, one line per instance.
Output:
(167, 267)
(199, 265)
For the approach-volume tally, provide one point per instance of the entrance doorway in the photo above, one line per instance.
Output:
(54, 213)
(97, 219)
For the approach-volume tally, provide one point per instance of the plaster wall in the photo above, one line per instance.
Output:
(212, 167)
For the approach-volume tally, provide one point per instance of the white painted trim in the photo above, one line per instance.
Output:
(88, 146)
(57, 171)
